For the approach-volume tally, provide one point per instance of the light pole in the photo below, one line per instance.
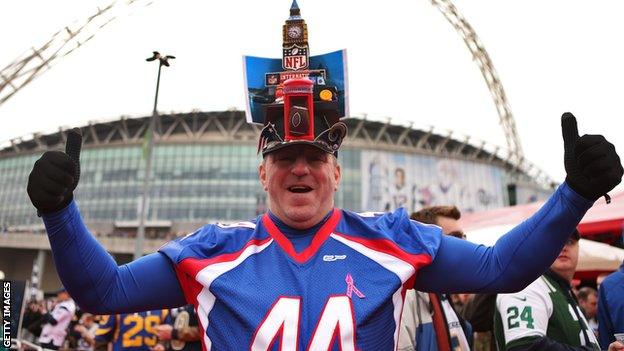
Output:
(147, 154)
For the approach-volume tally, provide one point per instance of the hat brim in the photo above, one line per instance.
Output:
(277, 145)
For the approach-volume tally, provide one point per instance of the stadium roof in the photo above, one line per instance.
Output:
(228, 126)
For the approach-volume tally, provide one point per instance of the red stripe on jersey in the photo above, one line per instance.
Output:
(191, 289)
(391, 248)
(319, 238)
(189, 267)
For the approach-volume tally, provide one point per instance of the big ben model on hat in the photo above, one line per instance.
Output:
(299, 99)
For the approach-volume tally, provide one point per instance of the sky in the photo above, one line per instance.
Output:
(405, 62)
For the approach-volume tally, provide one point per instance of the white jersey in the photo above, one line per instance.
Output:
(539, 310)
(63, 313)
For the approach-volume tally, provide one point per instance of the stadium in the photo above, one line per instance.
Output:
(145, 181)
(205, 170)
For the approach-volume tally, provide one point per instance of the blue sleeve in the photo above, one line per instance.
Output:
(605, 325)
(518, 258)
(93, 278)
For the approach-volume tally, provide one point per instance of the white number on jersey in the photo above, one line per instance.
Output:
(282, 318)
(337, 320)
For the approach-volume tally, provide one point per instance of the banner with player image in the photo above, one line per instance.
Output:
(391, 180)
(265, 76)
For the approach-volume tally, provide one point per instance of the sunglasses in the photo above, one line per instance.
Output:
(458, 234)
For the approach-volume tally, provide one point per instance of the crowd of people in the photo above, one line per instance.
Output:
(57, 324)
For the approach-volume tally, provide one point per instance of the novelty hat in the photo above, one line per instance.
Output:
(300, 106)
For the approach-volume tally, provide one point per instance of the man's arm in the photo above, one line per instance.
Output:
(89, 273)
(517, 258)
(593, 168)
(186, 334)
(49, 319)
(93, 278)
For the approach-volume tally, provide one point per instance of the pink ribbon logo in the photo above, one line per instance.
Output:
(351, 287)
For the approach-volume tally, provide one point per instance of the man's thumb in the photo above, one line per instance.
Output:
(569, 130)
(72, 149)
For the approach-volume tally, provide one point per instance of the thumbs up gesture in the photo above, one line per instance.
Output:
(55, 175)
(593, 167)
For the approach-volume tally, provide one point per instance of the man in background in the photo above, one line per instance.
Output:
(429, 320)
(545, 315)
(55, 323)
(588, 300)
(129, 331)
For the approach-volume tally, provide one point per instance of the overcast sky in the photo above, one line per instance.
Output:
(405, 61)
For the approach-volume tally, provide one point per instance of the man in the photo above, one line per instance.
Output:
(180, 332)
(611, 306)
(306, 275)
(545, 315)
(129, 331)
(429, 321)
(398, 191)
(588, 300)
(55, 323)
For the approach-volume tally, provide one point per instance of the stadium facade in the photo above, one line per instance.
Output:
(205, 170)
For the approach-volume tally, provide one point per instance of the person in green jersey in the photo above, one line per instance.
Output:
(545, 315)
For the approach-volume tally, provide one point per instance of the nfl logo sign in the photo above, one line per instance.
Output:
(295, 58)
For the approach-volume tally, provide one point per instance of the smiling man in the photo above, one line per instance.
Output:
(302, 179)
(306, 275)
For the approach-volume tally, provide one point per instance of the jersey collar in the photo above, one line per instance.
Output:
(319, 238)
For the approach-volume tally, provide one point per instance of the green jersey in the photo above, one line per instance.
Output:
(544, 308)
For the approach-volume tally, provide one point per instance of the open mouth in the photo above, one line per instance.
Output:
(299, 189)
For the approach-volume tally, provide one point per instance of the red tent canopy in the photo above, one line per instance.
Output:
(603, 222)
(601, 218)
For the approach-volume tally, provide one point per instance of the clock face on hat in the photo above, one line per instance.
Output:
(294, 32)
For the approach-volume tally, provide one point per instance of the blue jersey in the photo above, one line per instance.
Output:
(131, 331)
(611, 307)
(345, 291)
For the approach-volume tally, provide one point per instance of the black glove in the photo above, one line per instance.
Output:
(55, 176)
(593, 167)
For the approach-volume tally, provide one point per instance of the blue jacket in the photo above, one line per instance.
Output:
(611, 307)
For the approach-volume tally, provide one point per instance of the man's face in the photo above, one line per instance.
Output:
(450, 226)
(565, 264)
(301, 181)
(590, 305)
(399, 178)
(62, 296)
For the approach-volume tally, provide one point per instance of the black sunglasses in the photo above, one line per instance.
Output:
(458, 234)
